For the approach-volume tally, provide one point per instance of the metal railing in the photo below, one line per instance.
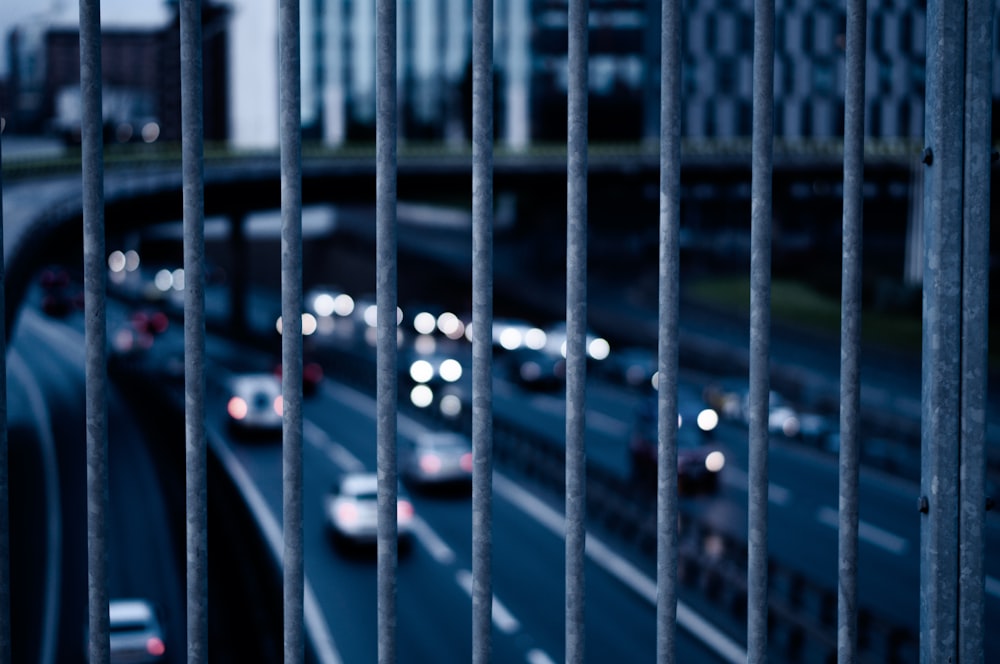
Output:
(956, 203)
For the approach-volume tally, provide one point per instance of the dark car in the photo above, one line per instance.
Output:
(633, 367)
(431, 368)
(535, 369)
(60, 297)
(699, 460)
(312, 376)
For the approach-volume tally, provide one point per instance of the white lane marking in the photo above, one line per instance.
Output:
(992, 586)
(428, 538)
(606, 424)
(602, 422)
(623, 570)
(778, 494)
(316, 625)
(366, 405)
(432, 542)
(502, 618)
(610, 561)
(536, 656)
(336, 452)
(53, 555)
(866, 531)
(546, 404)
(72, 353)
(738, 479)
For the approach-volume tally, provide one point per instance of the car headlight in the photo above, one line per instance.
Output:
(421, 371)
(450, 370)
(708, 419)
(715, 461)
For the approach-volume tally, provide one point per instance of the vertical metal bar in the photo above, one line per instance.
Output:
(386, 303)
(4, 455)
(669, 325)
(95, 327)
(975, 328)
(290, 116)
(192, 134)
(942, 318)
(760, 325)
(482, 330)
(576, 328)
(850, 331)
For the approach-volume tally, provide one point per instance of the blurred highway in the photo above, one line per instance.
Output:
(47, 403)
(434, 578)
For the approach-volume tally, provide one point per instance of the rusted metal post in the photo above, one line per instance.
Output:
(576, 329)
(669, 330)
(95, 328)
(975, 330)
(942, 317)
(850, 332)
(192, 146)
(760, 325)
(290, 130)
(386, 296)
(482, 330)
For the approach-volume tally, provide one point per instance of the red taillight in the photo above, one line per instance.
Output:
(144, 340)
(159, 322)
(279, 404)
(312, 372)
(347, 512)
(404, 510)
(466, 462)
(237, 408)
(430, 463)
(155, 647)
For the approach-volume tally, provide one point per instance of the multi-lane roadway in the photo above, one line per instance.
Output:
(434, 603)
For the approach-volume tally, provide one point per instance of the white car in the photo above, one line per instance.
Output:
(255, 405)
(135, 632)
(351, 510)
(436, 458)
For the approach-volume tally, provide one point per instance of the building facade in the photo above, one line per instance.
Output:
(140, 74)
(530, 46)
(530, 59)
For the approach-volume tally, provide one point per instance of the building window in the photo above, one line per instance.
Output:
(822, 78)
(884, 77)
(877, 38)
(746, 34)
(726, 76)
(744, 118)
(689, 78)
(918, 77)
